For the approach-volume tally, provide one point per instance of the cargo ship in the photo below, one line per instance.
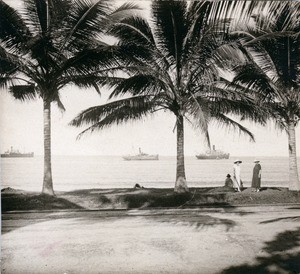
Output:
(213, 154)
(140, 157)
(16, 154)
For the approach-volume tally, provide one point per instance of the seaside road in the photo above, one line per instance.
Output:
(263, 239)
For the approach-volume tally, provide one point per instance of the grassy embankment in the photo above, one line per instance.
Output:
(93, 199)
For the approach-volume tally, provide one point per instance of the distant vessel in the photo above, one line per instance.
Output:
(141, 156)
(213, 155)
(16, 154)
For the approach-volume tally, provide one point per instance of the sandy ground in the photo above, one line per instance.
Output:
(263, 239)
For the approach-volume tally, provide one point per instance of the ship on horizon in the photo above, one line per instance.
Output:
(213, 154)
(16, 154)
(141, 156)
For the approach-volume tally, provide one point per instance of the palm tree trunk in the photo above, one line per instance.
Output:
(294, 183)
(47, 182)
(180, 185)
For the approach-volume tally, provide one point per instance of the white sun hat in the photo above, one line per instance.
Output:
(256, 161)
(237, 161)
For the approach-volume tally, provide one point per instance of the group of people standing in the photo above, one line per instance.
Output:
(237, 182)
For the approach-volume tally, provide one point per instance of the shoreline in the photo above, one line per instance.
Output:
(144, 198)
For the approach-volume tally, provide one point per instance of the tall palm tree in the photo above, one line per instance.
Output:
(168, 64)
(271, 44)
(48, 45)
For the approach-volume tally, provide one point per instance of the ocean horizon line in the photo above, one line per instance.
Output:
(163, 155)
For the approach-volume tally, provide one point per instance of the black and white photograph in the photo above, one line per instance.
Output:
(150, 136)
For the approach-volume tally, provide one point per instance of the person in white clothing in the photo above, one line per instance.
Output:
(237, 174)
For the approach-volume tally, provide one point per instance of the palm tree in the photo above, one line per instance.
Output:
(271, 44)
(50, 44)
(168, 65)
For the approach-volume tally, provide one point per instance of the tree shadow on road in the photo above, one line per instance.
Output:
(198, 221)
(289, 218)
(15, 202)
(283, 256)
(37, 208)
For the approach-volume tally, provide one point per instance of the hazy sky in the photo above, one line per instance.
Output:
(21, 126)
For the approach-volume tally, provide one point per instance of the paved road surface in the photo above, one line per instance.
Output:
(208, 240)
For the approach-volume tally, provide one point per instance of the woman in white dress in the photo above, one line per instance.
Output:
(237, 174)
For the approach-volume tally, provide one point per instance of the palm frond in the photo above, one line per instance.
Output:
(285, 55)
(8, 62)
(171, 28)
(12, 28)
(85, 21)
(97, 113)
(225, 121)
(254, 79)
(23, 92)
(117, 112)
(199, 110)
(207, 139)
(89, 60)
(279, 114)
(133, 30)
(274, 45)
(59, 103)
(197, 18)
(36, 16)
(122, 12)
(137, 84)
(201, 117)
(58, 17)
(233, 102)
(82, 81)
(280, 16)
(42, 14)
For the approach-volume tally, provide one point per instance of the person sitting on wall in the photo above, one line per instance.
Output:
(228, 181)
(138, 186)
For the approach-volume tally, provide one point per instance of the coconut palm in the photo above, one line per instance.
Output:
(272, 45)
(168, 64)
(48, 45)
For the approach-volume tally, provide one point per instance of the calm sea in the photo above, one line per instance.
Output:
(81, 172)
